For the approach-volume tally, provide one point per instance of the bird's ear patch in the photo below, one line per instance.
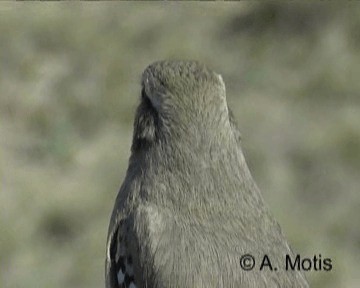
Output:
(145, 125)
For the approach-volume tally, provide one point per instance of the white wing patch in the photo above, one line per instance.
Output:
(124, 262)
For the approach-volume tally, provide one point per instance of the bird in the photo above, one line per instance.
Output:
(189, 210)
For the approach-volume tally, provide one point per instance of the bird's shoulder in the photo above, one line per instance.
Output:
(132, 243)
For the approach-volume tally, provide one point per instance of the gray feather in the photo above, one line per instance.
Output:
(188, 208)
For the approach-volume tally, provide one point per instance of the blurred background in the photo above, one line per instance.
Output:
(69, 86)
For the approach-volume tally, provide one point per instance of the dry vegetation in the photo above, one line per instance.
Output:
(69, 85)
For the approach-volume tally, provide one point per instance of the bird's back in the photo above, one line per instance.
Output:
(189, 210)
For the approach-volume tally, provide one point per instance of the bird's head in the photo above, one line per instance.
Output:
(180, 100)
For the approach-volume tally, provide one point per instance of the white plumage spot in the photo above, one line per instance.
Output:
(132, 285)
(120, 277)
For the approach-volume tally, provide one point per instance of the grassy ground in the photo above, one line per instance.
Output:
(69, 85)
